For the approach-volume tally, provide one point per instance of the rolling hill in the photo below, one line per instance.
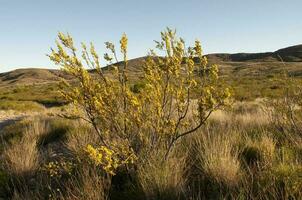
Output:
(289, 54)
(247, 63)
(31, 76)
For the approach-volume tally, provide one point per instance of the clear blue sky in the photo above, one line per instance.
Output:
(28, 28)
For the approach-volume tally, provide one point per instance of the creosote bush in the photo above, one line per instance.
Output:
(136, 123)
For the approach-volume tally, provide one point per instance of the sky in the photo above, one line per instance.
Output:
(28, 28)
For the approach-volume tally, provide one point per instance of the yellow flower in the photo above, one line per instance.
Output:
(124, 43)
(197, 48)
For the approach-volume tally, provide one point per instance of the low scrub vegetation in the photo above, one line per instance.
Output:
(176, 134)
(20, 105)
(224, 159)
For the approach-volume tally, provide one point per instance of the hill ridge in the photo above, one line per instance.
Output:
(42, 75)
(288, 54)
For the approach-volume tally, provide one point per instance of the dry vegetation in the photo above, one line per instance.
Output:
(228, 158)
(248, 149)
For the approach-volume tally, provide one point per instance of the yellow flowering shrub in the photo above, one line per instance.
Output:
(57, 169)
(181, 90)
(108, 159)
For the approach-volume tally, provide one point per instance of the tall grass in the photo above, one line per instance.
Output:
(21, 161)
(88, 183)
(23, 156)
(163, 179)
(233, 157)
(217, 158)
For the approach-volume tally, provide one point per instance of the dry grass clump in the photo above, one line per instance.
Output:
(23, 156)
(289, 177)
(78, 138)
(217, 158)
(268, 147)
(26, 194)
(21, 161)
(162, 179)
(87, 183)
(83, 180)
(243, 113)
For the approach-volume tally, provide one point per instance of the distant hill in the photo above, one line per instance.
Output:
(227, 62)
(30, 76)
(289, 54)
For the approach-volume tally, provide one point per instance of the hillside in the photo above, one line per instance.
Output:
(289, 54)
(241, 64)
(30, 76)
(242, 70)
